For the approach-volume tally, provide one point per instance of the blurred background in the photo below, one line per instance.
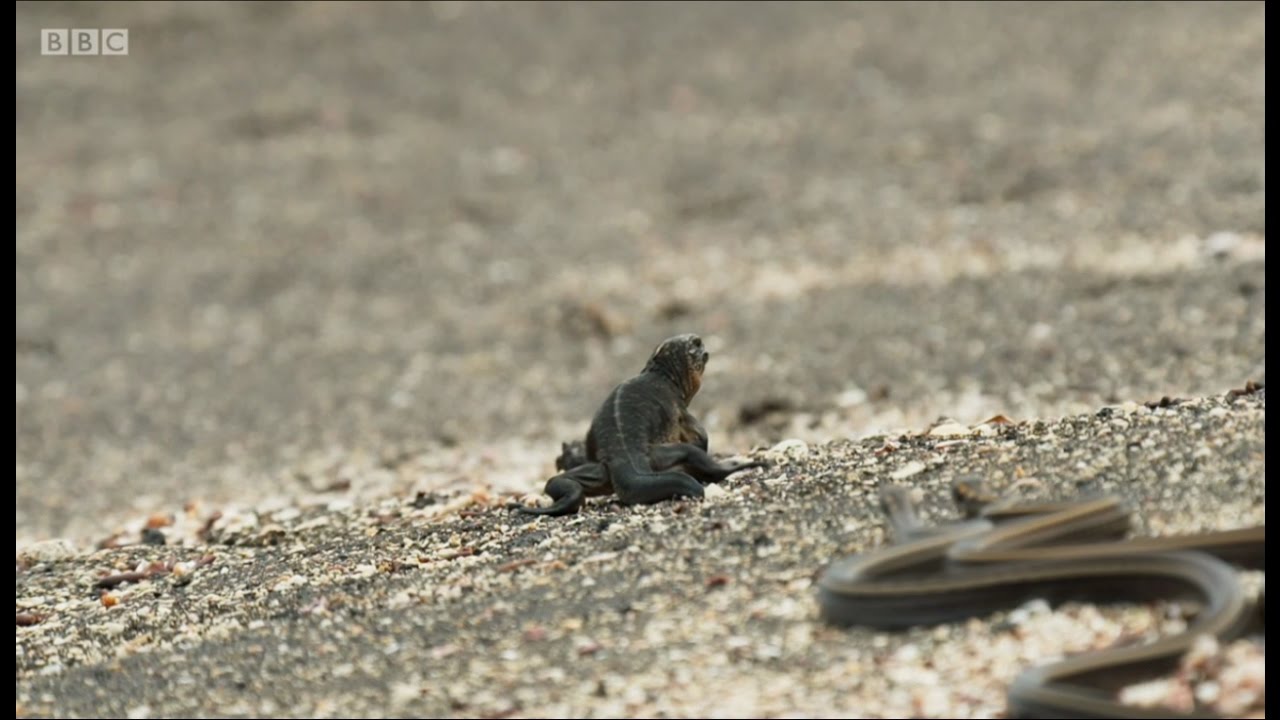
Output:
(358, 249)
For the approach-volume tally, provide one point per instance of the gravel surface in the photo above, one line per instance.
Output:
(454, 606)
(303, 292)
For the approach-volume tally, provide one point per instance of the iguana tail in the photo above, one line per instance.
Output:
(567, 493)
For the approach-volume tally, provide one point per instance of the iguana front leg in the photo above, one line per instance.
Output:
(569, 489)
(696, 462)
(691, 431)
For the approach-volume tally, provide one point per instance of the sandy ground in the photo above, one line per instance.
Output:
(329, 263)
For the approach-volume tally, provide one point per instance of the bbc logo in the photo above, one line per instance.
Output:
(91, 41)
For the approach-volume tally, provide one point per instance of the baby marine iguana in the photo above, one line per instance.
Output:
(643, 443)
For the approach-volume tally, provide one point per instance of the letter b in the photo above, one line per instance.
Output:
(54, 42)
(84, 42)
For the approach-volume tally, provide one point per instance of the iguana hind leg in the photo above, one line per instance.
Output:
(695, 461)
(649, 488)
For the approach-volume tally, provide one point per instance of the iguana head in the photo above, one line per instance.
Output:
(682, 359)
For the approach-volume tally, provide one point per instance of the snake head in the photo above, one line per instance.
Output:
(972, 495)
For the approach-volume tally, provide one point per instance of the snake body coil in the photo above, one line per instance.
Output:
(1060, 552)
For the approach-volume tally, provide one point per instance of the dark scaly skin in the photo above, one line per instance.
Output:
(643, 445)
